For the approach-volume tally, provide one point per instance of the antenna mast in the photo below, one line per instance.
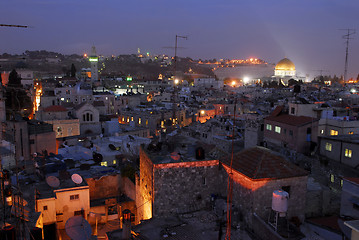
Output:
(347, 38)
(175, 80)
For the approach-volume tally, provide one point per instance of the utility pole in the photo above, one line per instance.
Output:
(175, 81)
(347, 38)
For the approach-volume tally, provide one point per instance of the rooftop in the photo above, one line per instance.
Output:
(177, 149)
(262, 163)
(352, 138)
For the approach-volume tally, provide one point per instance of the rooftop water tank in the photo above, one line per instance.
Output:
(280, 201)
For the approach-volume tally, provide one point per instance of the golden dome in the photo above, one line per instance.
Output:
(285, 64)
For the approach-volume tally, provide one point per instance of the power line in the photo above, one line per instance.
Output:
(347, 38)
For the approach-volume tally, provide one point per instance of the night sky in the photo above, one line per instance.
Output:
(306, 31)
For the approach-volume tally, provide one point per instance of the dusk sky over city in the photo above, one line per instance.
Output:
(305, 31)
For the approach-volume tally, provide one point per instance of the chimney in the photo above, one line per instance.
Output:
(126, 229)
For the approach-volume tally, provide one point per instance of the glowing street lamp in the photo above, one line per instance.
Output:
(233, 83)
(176, 81)
(246, 80)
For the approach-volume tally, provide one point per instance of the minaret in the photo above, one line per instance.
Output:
(94, 60)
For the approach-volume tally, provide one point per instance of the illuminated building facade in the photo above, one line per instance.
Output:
(94, 64)
(285, 68)
(175, 182)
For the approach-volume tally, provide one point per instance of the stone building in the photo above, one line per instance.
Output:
(298, 133)
(257, 172)
(175, 178)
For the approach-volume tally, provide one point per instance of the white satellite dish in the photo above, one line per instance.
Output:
(53, 181)
(76, 178)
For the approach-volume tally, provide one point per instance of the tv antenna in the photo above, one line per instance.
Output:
(347, 37)
(175, 80)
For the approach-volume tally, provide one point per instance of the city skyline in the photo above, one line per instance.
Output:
(306, 32)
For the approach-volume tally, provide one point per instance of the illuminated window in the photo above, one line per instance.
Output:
(333, 132)
(322, 131)
(104, 164)
(128, 119)
(332, 178)
(146, 122)
(114, 162)
(269, 127)
(74, 197)
(351, 132)
(348, 153)
(328, 147)
(139, 121)
(341, 182)
(277, 129)
(123, 119)
(131, 119)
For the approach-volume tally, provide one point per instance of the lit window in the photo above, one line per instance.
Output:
(146, 122)
(333, 132)
(348, 153)
(328, 147)
(114, 162)
(277, 129)
(128, 119)
(332, 178)
(104, 164)
(322, 131)
(139, 121)
(123, 119)
(74, 197)
(62, 99)
(131, 119)
(269, 127)
(341, 182)
(351, 133)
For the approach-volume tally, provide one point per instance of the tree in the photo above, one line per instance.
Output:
(14, 79)
(17, 99)
(73, 70)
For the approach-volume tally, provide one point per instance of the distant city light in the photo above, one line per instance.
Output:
(203, 112)
(233, 83)
(85, 55)
(246, 79)
(353, 90)
(176, 81)
(129, 78)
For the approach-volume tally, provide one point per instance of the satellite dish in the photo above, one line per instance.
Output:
(53, 181)
(112, 147)
(77, 228)
(76, 178)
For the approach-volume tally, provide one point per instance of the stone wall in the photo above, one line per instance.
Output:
(184, 187)
(144, 187)
(255, 196)
(105, 186)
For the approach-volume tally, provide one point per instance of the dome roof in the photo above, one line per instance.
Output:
(285, 64)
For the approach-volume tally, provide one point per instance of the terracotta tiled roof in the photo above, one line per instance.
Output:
(262, 163)
(277, 111)
(291, 119)
(55, 108)
(352, 179)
